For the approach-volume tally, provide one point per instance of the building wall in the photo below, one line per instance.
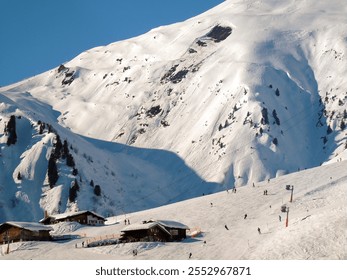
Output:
(84, 219)
(94, 221)
(14, 234)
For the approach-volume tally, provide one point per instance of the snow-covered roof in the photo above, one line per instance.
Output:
(153, 223)
(172, 224)
(28, 226)
(139, 226)
(72, 214)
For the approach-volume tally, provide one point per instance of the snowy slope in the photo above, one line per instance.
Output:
(130, 178)
(317, 226)
(247, 91)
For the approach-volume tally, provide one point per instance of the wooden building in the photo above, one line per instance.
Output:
(160, 230)
(24, 231)
(83, 217)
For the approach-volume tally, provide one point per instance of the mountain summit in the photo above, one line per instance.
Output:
(248, 91)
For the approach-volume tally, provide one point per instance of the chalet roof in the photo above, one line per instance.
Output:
(72, 214)
(149, 224)
(31, 226)
(172, 224)
(144, 226)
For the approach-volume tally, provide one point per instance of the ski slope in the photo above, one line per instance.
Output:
(316, 229)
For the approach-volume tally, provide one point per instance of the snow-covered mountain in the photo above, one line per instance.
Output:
(247, 91)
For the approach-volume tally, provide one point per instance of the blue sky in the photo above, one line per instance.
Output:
(37, 35)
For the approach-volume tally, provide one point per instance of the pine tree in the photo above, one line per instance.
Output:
(52, 171)
(342, 125)
(97, 190)
(69, 160)
(265, 119)
(73, 191)
(65, 149)
(58, 147)
(277, 120)
(10, 129)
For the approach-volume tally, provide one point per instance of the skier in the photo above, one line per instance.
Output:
(245, 217)
(226, 227)
(259, 231)
(190, 255)
(279, 217)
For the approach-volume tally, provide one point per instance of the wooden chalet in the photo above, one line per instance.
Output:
(160, 230)
(24, 231)
(82, 217)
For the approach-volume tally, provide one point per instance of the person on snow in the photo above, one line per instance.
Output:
(245, 217)
(226, 227)
(280, 218)
(259, 231)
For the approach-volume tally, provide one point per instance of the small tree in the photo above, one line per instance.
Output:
(73, 191)
(65, 149)
(342, 125)
(74, 171)
(10, 129)
(52, 171)
(97, 190)
(265, 118)
(92, 183)
(70, 161)
(58, 147)
(277, 120)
